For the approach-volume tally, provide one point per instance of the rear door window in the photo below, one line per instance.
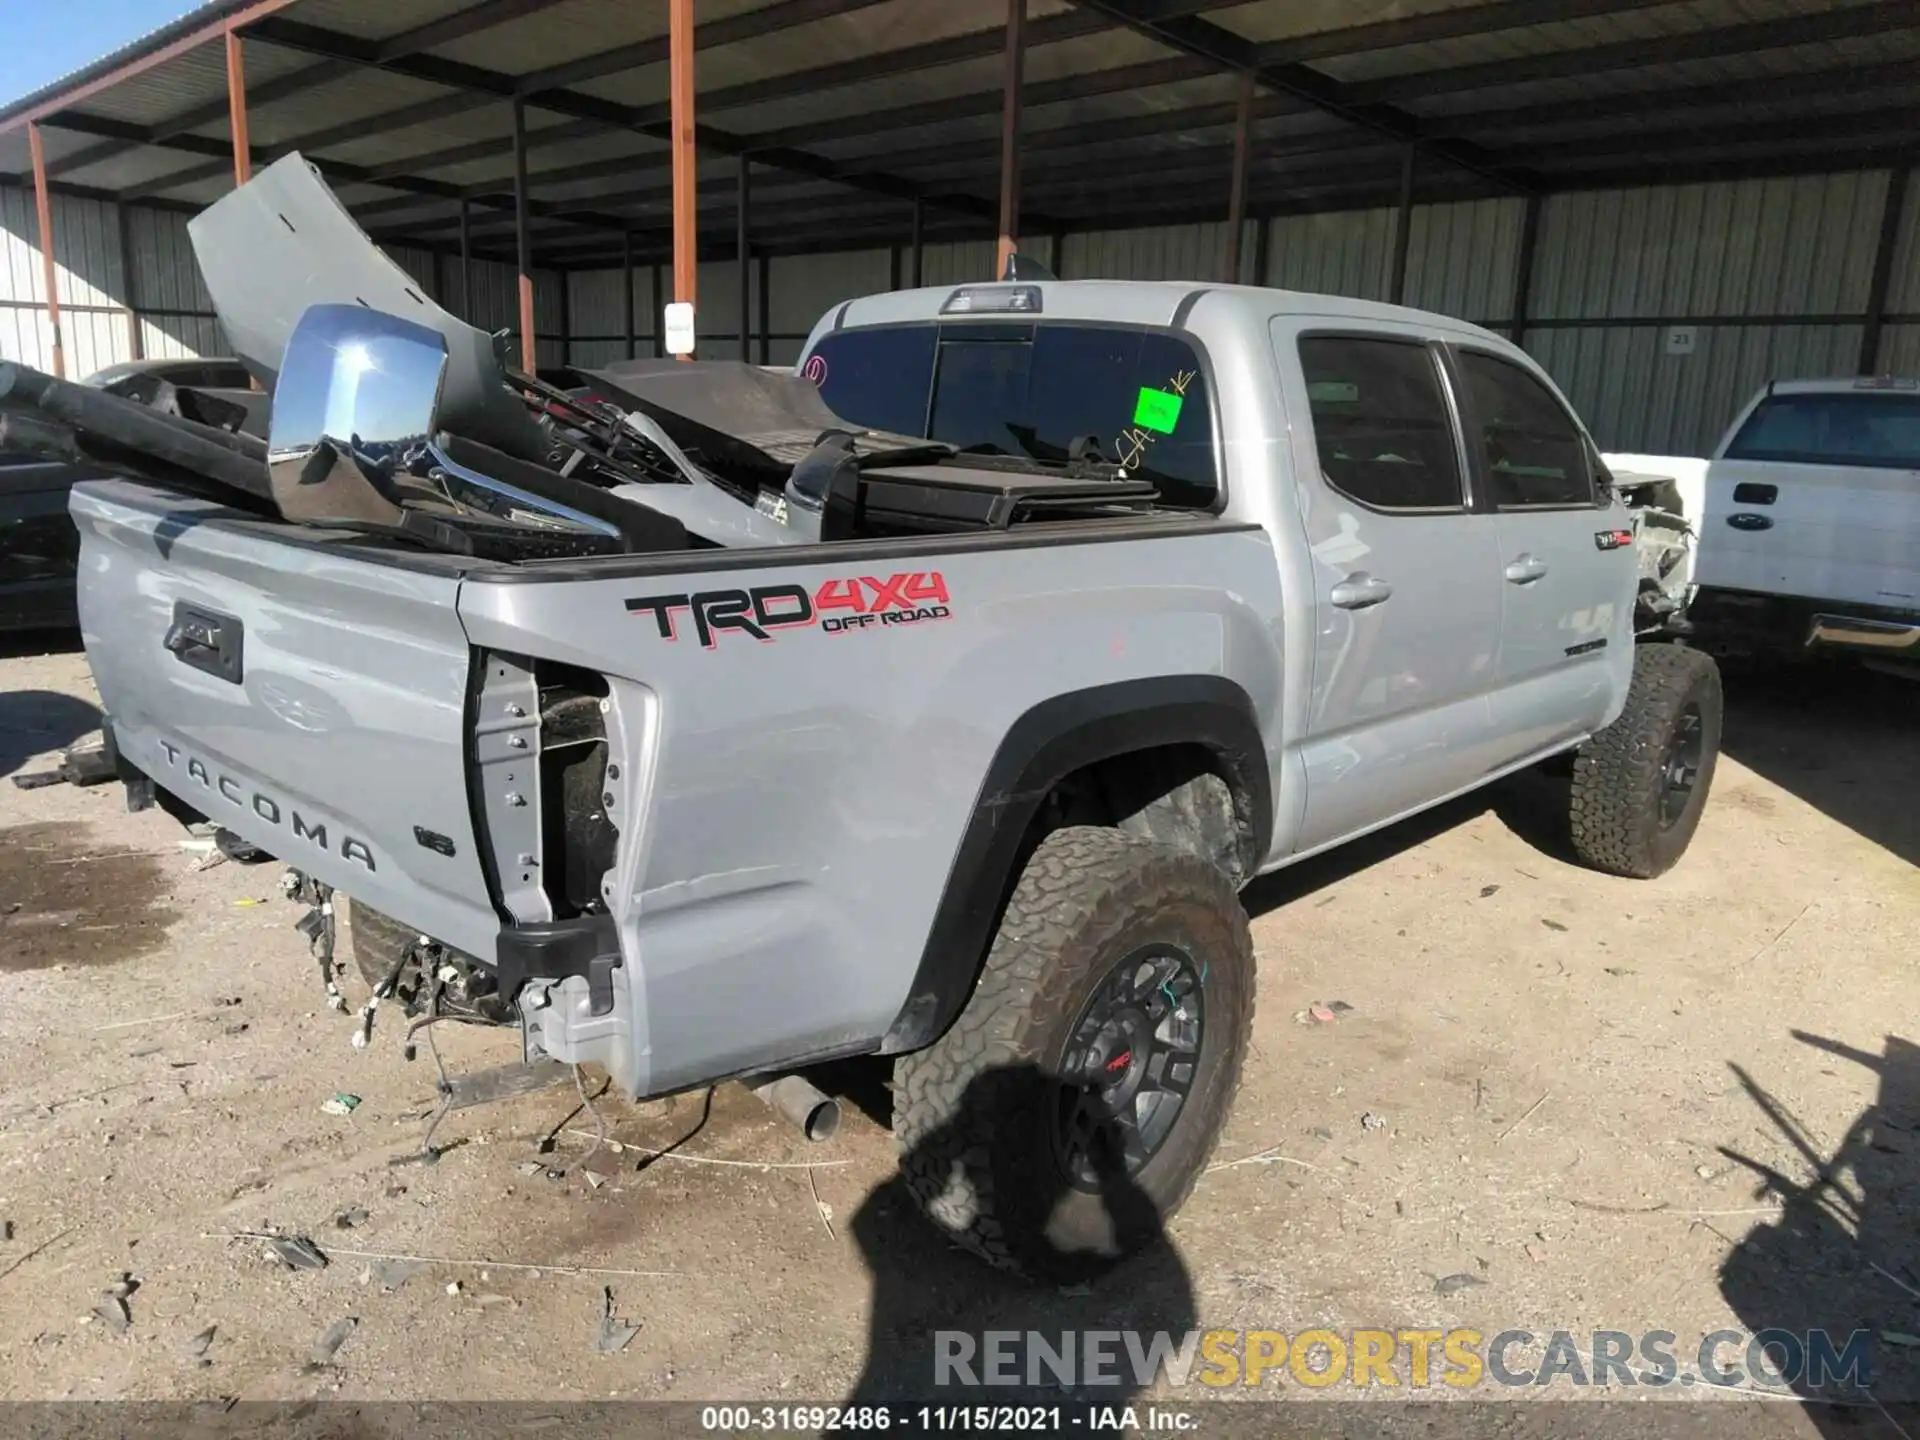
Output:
(1380, 422)
(878, 378)
(1051, 391)
(1532, 453)
(1868, 429)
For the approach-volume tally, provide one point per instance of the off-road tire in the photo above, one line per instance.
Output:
(1620, 774)
(991, 1177)
(378, 939)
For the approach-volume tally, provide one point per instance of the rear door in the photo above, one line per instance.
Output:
(308, 698)
(1406, 579)
(1566, 582)
(1818, 495)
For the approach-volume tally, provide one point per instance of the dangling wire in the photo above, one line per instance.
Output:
(599, 1125)
(444, 1085)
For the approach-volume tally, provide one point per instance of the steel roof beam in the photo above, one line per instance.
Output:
(423, 113)
(456, 26)
(1600, 116)
(889, 64)
(1453, 24)
(1736, 137)
(347, 174)
(749, 25)
(575, 105)
(444, 31)
(1118, 80)
(878, 230)
(1696, 169)
(1228, 51)
(459, 25)
(1069, 177)
(637, 166)
(1320, 45)
(974, 45)
(1037, 142)
(265, 93)
(1849, 23)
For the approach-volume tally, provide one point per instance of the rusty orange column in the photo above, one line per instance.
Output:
(1237, 193)
(1010, 135)
(522, 241)
(237, 109)
(686, 238)
(43, 213)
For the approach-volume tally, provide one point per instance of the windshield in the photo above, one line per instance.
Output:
(1867, 428)
(1052, 391)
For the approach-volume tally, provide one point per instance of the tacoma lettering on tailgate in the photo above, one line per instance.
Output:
(837, 607)
(273, 811)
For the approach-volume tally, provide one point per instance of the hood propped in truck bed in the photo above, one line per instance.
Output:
(283, 242)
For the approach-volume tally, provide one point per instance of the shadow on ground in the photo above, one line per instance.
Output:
(1841, 738)
(1841, 1266)
(932, 1299)
(1533, 805)
(33, 722)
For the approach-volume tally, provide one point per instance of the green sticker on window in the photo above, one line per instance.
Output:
(1157, 410)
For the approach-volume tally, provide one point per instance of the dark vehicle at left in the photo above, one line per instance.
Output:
(38, 544)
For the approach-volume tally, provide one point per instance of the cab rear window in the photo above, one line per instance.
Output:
(1051, 391)
(1874, 429)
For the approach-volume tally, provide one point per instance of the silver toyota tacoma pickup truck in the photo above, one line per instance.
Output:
(710, 724)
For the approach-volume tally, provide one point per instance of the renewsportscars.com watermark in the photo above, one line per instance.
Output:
(1785, 1360)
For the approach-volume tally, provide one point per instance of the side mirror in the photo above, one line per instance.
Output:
(357, 395)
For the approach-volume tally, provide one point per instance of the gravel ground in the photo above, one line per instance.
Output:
(1558, 1101)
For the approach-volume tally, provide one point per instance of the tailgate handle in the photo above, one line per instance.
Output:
(206, 640)
(1752, 492)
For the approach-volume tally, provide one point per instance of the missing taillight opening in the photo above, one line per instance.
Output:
(578, 838)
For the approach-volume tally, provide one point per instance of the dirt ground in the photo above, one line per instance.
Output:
(1559, 1102)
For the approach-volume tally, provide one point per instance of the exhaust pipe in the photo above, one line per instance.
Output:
(794, 1098)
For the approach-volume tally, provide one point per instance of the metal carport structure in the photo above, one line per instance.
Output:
(539, 134)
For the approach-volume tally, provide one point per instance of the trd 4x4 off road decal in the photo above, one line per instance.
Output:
(860, 602)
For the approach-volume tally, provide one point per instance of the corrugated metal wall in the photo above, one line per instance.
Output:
(1619, 277)
(1462, 258)
(1163, 252)
(1658, 310)
(107, 275)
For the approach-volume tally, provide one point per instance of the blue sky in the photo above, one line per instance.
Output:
(41, 40)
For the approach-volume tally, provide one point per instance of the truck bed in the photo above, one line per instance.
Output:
(742, 777)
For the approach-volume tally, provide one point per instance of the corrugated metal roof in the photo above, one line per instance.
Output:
(1757, 66)
(569, 31)
(1104, 75)
(1568, 35)
(196, 78)
(1265, 22)
(378, 21)
(352, 96)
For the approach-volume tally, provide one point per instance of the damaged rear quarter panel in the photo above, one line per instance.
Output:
(800, 798)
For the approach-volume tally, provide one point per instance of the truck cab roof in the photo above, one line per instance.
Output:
(1122, 302)
(1843, 384)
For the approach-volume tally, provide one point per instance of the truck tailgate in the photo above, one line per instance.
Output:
(1839, 533)
(309, 699)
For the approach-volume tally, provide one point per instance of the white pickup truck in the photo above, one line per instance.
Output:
(1808, 518)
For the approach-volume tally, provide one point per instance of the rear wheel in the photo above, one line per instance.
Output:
(379, 942)
(1640, 785)
(1075, 1101)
